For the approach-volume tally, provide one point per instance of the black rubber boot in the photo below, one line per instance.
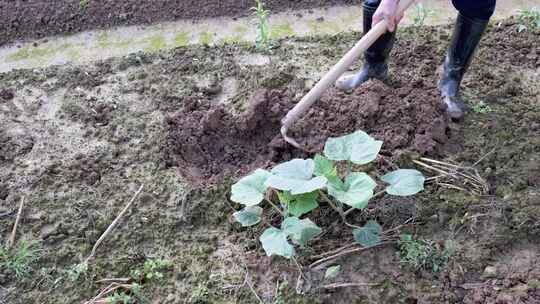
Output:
(465, 39)
(375, 63)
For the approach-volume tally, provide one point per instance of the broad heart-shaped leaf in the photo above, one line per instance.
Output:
(369, 235)
(324, 166)
(356, 191)
(300, 231)
(404, 182)
(249, 216)
(332, 272)
(300, 204)
(274, 242)
(357, 147)
(296, 176)
(250, 190)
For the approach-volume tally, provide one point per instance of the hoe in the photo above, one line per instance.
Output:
(313, 95)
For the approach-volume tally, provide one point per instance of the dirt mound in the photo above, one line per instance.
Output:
(206, 141)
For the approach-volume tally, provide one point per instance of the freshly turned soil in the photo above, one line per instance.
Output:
(208, 142)
(40, 18)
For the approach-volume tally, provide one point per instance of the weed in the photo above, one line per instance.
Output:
(421, 14)
(83, 4)
(481, 107)
(261, 20)
(18, 260)
(424, 254)
(151, 270)
(528, 19)
(199, 295)
(77, 271)
(119, 298)
(301, 184)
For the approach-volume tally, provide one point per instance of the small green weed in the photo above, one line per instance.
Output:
(481, 107)
(18, 260)
(77, 271)
(151, 270)
(528, 19)
(421, 14)
(199, 295)
(424, 254)
(83, 4)
(261, 21)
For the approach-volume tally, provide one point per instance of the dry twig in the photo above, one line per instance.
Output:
(345, 252)
(113, 224)
(11, 241)
(343, 285)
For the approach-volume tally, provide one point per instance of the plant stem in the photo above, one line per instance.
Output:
(338, 209)
(329, 201)
(269, 201)
(374, 196)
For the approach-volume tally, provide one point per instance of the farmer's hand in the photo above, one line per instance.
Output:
(387, 10)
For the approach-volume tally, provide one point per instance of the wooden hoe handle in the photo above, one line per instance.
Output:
(344, 63)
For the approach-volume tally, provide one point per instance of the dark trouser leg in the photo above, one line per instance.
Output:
(470, 25)
(375, 58)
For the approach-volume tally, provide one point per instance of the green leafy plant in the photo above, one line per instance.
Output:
(18, 260)
(151, 270)
(424, 254)
(528, 19)
(300, 185)
(261, 22)
(481, 107)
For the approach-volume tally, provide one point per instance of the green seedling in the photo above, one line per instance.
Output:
(481, 108)
(261, 22)
(301, 185)
(151, 270)
(18, 260)
(83, 4)
(424, 254)
(77, 271)
(421, 14)
(528, 19)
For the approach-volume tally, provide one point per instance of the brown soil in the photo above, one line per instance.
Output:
(39, 18)
(407, 118)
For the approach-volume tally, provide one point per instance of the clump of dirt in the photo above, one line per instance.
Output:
(6, 94)
(406, 117)
(207, 141)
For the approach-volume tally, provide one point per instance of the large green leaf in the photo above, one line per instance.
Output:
(356, 191)
(249, 216)
(324, 166)
(274, 242)
(369, 235)
(296, 176)
(357, 147)
(300, 204)
(250, 189)
(404, 182)
(300, 231)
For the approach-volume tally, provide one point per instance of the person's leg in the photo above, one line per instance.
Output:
(470, 25)
(375, 57)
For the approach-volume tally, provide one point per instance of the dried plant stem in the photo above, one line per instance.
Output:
(11, 241)
(113, 224)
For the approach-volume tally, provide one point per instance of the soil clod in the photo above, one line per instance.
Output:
(408, 118)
